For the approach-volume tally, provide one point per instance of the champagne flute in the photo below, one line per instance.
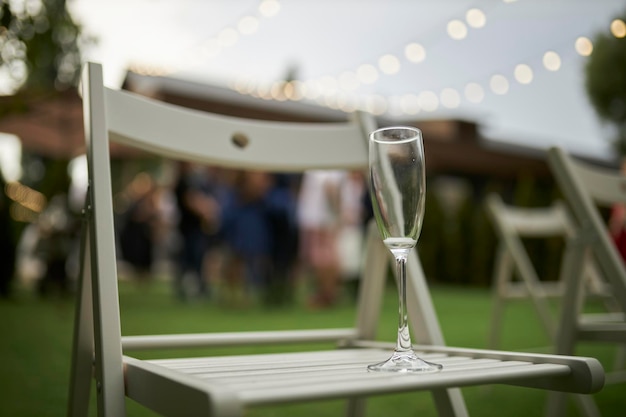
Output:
(397, 185)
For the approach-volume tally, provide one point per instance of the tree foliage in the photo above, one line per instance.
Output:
(606, 83)
(39, 44)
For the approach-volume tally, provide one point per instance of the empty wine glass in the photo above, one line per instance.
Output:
(397, 185)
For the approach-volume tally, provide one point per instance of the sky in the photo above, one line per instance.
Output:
(353, 53)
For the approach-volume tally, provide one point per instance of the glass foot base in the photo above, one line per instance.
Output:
(405, 362)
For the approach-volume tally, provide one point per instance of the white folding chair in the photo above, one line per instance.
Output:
(226, 386)
(587, 188)
(515, 276)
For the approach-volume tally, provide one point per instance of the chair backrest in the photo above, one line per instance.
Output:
(514, 225)
(217, 140)
(538, 222)
(587, 188)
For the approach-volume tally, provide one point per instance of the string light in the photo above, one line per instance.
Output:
(312, 91)
(474, 92)
(457, 29)
(348, 81)
(475, 18)
(428, 101)
(248, 25)
(269, 8)
(342, 93)
(551, 61)
(226, 38)
(367, 74)
(523, 74)
(450, 98)
(376, 104)
(499, 84)
(409, 104)
(618, 28)
(389, 64)
(583, 46)
(415, 52)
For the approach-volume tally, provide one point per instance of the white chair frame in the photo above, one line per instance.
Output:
(512, 224)
(204, 385)
(586, 188)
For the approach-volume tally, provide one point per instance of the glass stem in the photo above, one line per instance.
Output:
(404, 338)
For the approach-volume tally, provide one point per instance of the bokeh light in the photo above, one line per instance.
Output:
(475, 18)
(523, 74)
(348, 81)
(583, 46)
(409, 104)
(618, 28)
(269, 8)
(367, 74)
(415, 52)
(499, 84)
(228, 37)
(428, 101)
(450, 98)
(551, 61)
(457, 29)
(389, 64)
(474, 92)
(248, 25)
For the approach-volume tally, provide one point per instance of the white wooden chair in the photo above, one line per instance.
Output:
(587, 188)
(515, 276)
(226, 386)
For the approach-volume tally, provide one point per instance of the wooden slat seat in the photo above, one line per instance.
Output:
(276, 378)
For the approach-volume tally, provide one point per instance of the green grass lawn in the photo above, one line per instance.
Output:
(36, 337)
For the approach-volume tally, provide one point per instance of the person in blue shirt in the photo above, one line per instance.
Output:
(257, 228)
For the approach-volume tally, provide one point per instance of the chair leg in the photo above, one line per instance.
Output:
(556, 404)
(502, 274)
(83, 341)
(450, 403)
(620, 358)
(572, 276)
(587, 405)
(356, 407)
(540, 300)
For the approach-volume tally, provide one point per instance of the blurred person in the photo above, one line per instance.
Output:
(353, 214)
(140, 226)
(198, 220)
(57, 227)
(319, 220)
(246, 231)
(281, 203)
(7, 244)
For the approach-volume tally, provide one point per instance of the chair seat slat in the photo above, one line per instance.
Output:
(305, 376)
(334, 374)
